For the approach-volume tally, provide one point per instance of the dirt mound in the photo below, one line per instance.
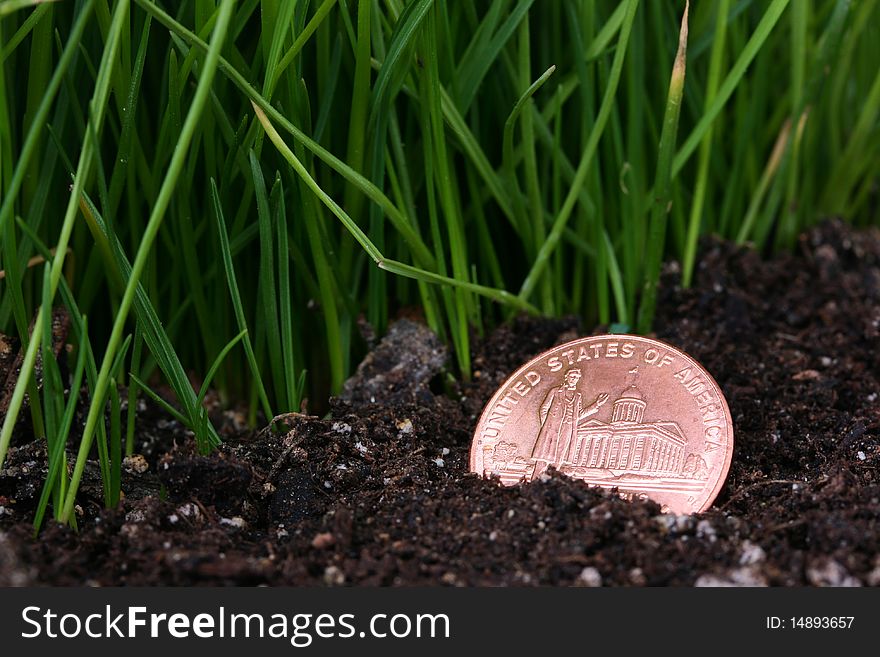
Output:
(379, 493)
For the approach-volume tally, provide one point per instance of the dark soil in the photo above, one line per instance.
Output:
(379, 493)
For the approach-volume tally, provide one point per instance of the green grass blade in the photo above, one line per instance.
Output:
(57, 458)
(748, 54)
(268, 293)
(235, 296)
(180, 151)
(696, 215)
(166, 407)
(571, 198)
(662, 200)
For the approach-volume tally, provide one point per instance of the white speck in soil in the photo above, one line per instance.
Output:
(828, 572)
(706, 530)
(188, 510)
(861, 455)
(236, 521)
(589, 577)
(136, 515)
(751, 554)
(744, 576)
(333, 576)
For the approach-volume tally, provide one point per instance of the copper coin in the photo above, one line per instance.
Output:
(617, 411)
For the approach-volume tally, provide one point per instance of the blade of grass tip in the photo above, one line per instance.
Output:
(288, 155)
(209, 377)
(212, 371)
(57, 457)
(587, 158)
(663, 182)
(510, 125)
(754, 45)
(501, 296)
(696, 217)
(163, 199)
(166, 407)
(154, 333)
(770, 217)
(235, 296)
(766, 177)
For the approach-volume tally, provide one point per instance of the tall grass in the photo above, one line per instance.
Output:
(231, 192)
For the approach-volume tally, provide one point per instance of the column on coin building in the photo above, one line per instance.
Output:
(628, 442)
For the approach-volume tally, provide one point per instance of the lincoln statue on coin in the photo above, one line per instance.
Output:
(561, 412)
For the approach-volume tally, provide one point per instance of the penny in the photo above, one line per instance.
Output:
(616, 411)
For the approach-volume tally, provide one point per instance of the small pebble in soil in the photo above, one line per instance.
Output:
(744, 576)
(135, 464)
(751, 554)
(323, 540)
(236, 522)
(828, 572)
(589, 577)
(333, 576)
